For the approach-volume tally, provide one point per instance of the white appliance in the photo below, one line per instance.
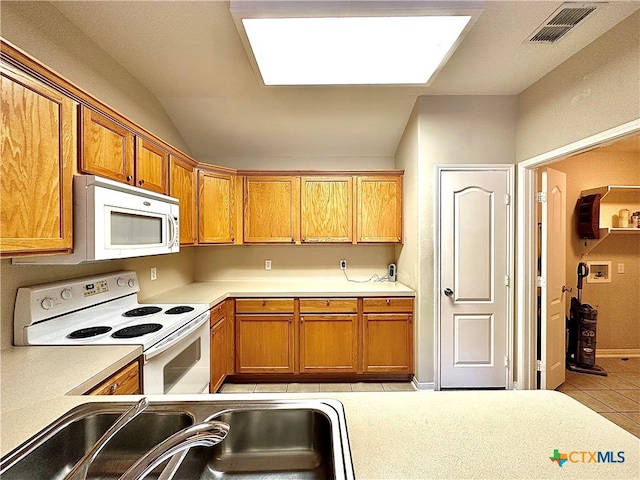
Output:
(112, 220)
(104, 310)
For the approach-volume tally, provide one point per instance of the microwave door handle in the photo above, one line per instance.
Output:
(174, 233)
(175, 337)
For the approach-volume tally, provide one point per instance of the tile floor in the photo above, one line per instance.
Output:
(616, 396)
(316, 387)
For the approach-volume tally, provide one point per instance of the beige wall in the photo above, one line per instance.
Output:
(44, 33)
(173, 271)
(595, 90)
(306, 163)
(618, 302)
(291, 261)
(446, 130)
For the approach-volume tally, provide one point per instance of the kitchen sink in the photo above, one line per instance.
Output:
(294, 439)
(54, 451)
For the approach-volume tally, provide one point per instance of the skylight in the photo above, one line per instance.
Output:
(352, 50)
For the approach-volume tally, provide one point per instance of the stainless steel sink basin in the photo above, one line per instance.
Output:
(56, 449)
(267, 439)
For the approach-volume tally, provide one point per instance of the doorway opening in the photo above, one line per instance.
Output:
(527, 245)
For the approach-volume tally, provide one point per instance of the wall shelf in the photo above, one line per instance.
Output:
(613, 199)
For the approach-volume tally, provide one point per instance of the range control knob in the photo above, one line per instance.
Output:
(120, 282)
(66, 294)
(131, 282)
(47, 303)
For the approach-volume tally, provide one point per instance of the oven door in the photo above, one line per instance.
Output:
(180, 362)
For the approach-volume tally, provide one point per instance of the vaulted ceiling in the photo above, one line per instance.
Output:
(190, 56)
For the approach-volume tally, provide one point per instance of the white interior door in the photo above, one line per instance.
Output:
(474, 300)
(553, 267)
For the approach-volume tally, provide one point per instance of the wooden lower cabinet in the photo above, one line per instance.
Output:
(387, 338)
(218, 355)
(264, 343)
(328, 343)
(125, 381)
(345, 338)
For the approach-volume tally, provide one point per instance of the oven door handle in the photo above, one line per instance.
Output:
(176, 336)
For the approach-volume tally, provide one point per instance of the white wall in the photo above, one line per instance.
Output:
(595, 90)
(446, 130)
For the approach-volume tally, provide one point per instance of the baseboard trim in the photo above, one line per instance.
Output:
(617, 352)
(422, 385)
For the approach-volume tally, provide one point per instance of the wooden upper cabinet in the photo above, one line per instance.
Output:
(271, 209)
(379, 204)
(182, 185)
(107, 147)
(38, 158)
(216, 207)
(326, 209)
(152, 166)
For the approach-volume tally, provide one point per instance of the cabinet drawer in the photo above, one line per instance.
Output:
(124, 382)
(388, 304)
(328, 305)
(217, 313)
(264, 305)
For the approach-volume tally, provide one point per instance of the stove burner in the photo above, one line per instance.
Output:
(141, 311)
(137, 330)
(179, 309)
(88, 332)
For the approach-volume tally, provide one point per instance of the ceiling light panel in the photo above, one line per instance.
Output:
(352, 50)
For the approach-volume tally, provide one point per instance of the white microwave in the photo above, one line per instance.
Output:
(112, 220)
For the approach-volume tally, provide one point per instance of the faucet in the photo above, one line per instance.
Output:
(205, 434)
(80, 469)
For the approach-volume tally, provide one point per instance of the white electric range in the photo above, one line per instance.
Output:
(104, 310)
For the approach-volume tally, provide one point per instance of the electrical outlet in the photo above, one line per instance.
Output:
(621, 268)
(154, 273)
(267, 264)
(343, 264)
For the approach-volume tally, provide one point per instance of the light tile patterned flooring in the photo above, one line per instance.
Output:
(616, 396)
(316, 387)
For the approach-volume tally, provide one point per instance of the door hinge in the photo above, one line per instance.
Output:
(507, 280)
(541, 197)
(541, 282)
(506, 361)
(507, 199)
(539, 366)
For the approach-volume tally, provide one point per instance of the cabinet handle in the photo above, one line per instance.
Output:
(129, 178)
(388, 301)
(264, 303)
(292, 240)
(301, 319)
(328, 302)
(113, 388)
(141, 182)
(290, 319)
(399, 239)
(410, 318)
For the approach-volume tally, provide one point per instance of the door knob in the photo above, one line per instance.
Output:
(565, 289)
(448, 292)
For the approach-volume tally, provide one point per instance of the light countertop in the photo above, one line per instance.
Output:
(393, 435)
(214, 292)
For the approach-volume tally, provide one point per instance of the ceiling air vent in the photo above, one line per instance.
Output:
(561, 21)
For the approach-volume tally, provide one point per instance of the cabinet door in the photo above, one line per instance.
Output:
(216, 207)
(124, 382)
(379, 209)
(182, 182)
(388, 343)
(218, 355)
(328, 343)
(271, 209)
(264, 343)
(107, 147)
(152, 166)
(327, 209)
(38, 157)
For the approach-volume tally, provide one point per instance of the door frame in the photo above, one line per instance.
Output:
(510, 170)
(526, 248)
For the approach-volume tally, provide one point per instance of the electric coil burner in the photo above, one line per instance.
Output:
(179, 310)
(89, 332)
(142, 311)
(137, 330)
